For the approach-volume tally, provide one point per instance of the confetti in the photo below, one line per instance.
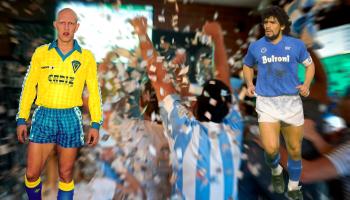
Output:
(105, 137)
(254, 168)
(149, 53)
(152, 150)
(186, 29)
(215, 17)
(179, 153)
(184, 71)
(185, 81)
(212, 102)
(176, 7)
(160, 59)
(224, 93)
(161, 18)
(207, 115)
(174, 20)
(161, 91)
(201, 173)
(206, 94)
(192, 98)
(152, 78)
(239, 174)
(152, 68)
(231, 61)
(5, 149)
(143, 64)
(108, 86)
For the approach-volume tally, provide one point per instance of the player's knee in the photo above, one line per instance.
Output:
(32, 175)
(295, 153)
(271, 150)
(66, 175)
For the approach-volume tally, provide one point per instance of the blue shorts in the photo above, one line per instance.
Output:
(61, 126)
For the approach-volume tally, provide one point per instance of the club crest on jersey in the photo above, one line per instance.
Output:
(75, 64)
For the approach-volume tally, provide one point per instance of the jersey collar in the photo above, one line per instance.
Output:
(76, 47)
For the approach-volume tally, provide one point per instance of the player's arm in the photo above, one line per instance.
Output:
(27, 97)
(309, 75)
(154, 68)
(214, 30)
(176, 115)
(28, 89)
(306, 59)
(94, 102)
(248, 71)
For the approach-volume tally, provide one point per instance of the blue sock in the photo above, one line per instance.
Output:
(272, 161)
(65, 190)
(294, 169)
(33, 189)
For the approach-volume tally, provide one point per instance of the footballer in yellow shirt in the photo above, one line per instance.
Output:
(56, 78)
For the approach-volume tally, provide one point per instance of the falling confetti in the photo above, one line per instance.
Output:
(161, 18)
(161, 91)
(215, 17)
(184, 71)
(207, 115)
(212, 102)
(152, 68)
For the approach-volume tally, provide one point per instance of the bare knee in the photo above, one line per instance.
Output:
(32, 175)
(294, 152)
(271, 150)
(66, 174)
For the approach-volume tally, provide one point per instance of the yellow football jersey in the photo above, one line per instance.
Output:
(57, 81)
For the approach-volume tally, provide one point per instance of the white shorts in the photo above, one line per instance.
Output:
(285, 109)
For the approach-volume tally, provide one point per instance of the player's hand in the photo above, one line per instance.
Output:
(251, 91)
(212, 29)
(22, 134)
(93, 137)
(303, 90)
(140, 25)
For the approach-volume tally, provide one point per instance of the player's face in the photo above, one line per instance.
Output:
(66, 25)
(272, 27)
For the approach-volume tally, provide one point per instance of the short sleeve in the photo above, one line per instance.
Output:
(249, 58)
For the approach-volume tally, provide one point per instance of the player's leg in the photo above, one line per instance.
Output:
(293, 136)
(66, 159)
(269, 135)
(71, 137)
(36, 158)
(270, 138)
(42, 134)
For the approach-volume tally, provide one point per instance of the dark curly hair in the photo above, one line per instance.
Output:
(280, 15)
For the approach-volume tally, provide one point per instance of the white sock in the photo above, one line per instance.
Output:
(293, 185)
(277, 171)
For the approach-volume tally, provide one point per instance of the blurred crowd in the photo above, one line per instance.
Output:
(133, 159)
